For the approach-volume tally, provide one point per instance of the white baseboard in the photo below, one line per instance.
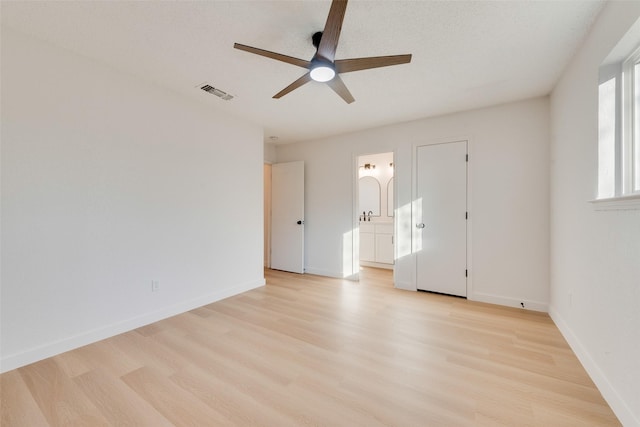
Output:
(617, 404)
(321, 272)
(18, 360)
(376, 265)
(509, 302)
(406, 286)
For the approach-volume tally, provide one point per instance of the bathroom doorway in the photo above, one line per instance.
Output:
(375, 207)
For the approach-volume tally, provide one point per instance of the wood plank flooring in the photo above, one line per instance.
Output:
(312, 351)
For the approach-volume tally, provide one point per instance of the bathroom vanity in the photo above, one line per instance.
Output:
(376, 244)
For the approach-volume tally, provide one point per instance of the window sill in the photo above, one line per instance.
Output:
(620, 203)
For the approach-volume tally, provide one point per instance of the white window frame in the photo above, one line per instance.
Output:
(626, 194)
(630, 132)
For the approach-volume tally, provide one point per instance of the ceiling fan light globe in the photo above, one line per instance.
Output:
(322, 73)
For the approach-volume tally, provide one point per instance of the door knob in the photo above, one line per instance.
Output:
(420, 225)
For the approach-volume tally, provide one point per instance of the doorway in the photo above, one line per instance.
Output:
(267, 215)
(375, 209)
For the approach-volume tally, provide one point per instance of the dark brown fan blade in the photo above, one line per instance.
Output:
(356, 64)
(331, 33)
(277, 56)
(295, 85)
(339, 87)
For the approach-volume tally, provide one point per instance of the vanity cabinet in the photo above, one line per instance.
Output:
(376, 244)
(367, 243)
(384, 247)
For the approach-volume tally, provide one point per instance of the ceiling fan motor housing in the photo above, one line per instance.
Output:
(321, 70)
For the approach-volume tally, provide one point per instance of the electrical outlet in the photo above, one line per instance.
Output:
(155, 286)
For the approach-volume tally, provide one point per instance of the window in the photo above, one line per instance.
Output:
(607, 139)
(619, 123)
(631, 119)
(636, 126)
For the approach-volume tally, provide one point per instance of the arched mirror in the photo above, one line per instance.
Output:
(390, 197)
(369, 196)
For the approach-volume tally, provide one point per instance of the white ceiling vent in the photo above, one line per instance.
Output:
(217, 92)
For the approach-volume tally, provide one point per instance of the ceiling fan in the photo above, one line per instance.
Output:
(323, 67)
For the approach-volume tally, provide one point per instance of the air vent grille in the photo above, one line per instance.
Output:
(217, 92)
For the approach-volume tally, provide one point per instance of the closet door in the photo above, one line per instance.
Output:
(440, 218)
(287, 217)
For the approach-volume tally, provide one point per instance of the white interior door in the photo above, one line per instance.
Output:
(440, 218)
(287, 217)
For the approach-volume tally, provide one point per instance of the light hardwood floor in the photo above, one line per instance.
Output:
(306, 350)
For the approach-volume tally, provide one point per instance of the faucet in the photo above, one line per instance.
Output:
(369, 215)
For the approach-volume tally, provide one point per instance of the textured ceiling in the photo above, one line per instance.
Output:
(466, 54)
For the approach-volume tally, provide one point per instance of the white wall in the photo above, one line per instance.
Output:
(509, 206)
(595, 255)
(269, 153)
(108, 183)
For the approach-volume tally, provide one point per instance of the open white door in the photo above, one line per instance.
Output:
(440, 218)
(287, 217)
